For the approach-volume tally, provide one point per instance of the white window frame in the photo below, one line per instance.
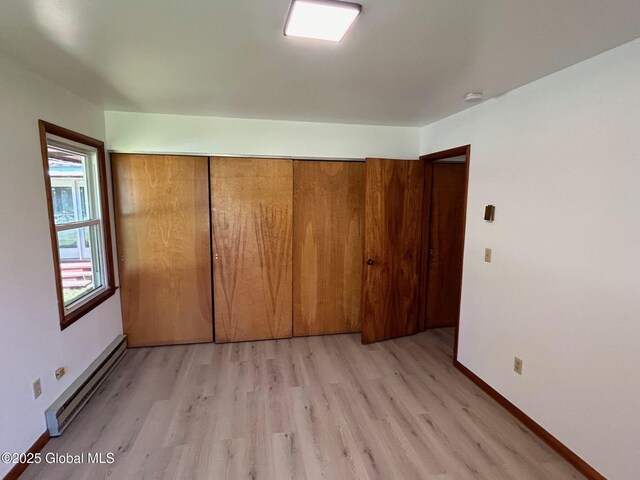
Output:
(92, 192)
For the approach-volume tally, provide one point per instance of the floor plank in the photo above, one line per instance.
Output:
(302, 409)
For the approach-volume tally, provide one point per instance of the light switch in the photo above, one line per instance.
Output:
(487, 255)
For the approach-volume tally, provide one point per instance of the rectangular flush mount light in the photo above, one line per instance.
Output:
(321, 19)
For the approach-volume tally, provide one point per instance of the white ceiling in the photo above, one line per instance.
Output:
(406, 62)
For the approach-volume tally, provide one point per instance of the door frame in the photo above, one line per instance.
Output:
(428, 160)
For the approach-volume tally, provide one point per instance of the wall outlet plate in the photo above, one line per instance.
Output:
(60, 372)
(517, 365)
(487, 255)
(37, 388)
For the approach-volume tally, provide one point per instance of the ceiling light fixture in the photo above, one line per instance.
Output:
(321, 19)
(474, 97)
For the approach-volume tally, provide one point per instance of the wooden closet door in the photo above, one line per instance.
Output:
(327, 247)
(252, 212)
(392, 247)
(162, 220)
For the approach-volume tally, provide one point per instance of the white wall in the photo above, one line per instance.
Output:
(560, 160)
(156, 133)
(31, 342)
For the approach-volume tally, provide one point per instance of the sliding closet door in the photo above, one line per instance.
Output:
(252, 212)
(392, 247)
(327, 247)
(162, 219)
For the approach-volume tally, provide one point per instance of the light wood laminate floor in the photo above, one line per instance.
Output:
(303, 408)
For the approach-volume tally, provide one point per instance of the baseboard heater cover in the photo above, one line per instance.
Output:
(60, 414)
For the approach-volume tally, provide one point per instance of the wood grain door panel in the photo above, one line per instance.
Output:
(446, 244)
(328, 237)
(162, 219)
(393, 236)
(252, 219)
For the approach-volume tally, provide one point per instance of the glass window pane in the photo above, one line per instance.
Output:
(79, 262)
(63, 209)
(68, 243)
(68, 171)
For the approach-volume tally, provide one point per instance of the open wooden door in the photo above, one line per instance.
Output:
(392, 249)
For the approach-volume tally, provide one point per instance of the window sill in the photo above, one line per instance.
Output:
(75, 315)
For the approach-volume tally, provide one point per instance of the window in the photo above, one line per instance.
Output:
(75, 179)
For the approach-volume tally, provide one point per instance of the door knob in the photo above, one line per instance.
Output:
(122, 258)
(370, 262)
(431, 252)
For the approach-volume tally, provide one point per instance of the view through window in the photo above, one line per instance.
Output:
(75, 198)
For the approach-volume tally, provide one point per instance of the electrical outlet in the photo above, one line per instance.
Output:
(37, 388)
(487, 255)
(60, 372)
(517, 365)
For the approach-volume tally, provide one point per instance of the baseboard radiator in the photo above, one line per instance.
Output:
(60, 414)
